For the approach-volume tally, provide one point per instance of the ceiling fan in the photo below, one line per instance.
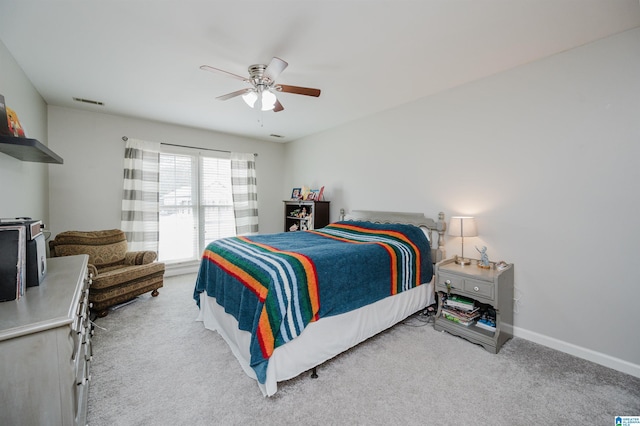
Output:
(261, 95)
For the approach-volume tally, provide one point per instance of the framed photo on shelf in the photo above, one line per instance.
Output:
(314, 195)
(296, 193)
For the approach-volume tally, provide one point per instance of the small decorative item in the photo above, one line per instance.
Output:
(15, 128)
(502, 265)
(305, 192)
(295, 194)
(293, 227)
(314, 195)
(484, 259)
(321, 194)
(4, 120)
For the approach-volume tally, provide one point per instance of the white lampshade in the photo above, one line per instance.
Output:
(268, 100)
(250, 98)
(463, 226)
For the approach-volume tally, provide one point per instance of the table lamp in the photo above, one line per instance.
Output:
(462, 226)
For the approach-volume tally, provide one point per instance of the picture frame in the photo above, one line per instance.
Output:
(314, 195)
(296, 193)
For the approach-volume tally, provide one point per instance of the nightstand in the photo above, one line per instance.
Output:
(490, 288)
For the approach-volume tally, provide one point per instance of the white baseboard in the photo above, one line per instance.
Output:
(180, 269)
(550, 342)
(584, 353)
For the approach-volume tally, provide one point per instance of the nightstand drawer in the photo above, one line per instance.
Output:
(456, 282)
(465, 286)
(479, 288)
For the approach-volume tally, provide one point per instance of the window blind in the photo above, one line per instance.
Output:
(195, 204)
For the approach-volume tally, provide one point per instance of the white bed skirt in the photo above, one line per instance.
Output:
(320, 340)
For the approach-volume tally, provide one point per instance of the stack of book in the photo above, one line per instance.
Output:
(459, 302)
(460, 310)
(487, 322)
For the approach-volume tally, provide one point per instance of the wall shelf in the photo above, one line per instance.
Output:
(26, 149)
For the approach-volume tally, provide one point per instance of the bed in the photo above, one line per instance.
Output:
(285, 303)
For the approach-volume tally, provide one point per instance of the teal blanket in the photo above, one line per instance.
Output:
(276, 284)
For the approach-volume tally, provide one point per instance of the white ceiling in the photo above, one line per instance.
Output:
(142, 57)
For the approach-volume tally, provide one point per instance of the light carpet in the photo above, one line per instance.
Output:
(154, 364)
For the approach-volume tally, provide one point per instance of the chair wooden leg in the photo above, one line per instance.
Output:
(154, 293)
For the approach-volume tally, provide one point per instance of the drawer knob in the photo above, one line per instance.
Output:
(476, 288)
(448, 284)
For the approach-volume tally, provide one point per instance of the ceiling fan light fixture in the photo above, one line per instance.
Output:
(262, 78)
(250, 98)
(268, 100)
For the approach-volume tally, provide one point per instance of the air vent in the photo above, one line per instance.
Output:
(88, 101)
(273, 135)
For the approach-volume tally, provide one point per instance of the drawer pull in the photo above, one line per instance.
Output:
(448, 284)
(476, 288)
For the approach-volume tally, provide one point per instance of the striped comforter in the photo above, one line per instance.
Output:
(276, 284)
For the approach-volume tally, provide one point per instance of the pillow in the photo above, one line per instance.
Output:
(427, 232)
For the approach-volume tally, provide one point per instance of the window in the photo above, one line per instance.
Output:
(196, 204)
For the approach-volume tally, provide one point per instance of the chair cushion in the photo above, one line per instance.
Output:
(104, 248)
(125, 275)
(109, 292)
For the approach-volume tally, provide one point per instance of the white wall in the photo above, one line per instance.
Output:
(545, 156)
(86, 194)
(24, 187)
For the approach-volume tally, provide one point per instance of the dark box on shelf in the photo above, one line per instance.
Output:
(12, 262)
(35, 255)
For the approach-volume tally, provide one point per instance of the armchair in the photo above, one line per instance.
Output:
(118, 275)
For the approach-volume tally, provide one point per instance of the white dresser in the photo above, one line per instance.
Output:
(45, 349)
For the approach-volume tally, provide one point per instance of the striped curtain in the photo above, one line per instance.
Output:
(245, 193)
(140, 199)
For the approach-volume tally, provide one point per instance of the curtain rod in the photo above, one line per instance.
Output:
(125, 138)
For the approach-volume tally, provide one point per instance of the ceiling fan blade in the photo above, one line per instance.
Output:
(234, 94)
(223, 72)
(276, 66)
(298, 90)
(278, 106)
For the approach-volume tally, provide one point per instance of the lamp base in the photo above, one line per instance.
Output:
(462, 261)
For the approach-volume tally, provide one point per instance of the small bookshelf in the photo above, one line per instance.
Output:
(302, 215)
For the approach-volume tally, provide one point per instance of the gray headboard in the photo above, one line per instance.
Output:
(417, 219)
